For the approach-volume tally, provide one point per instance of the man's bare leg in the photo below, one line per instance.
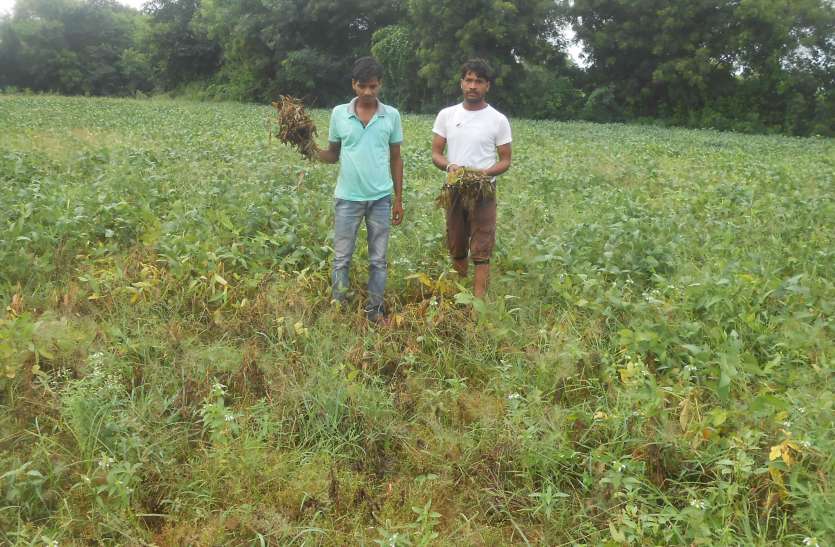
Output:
(482, 276)
(461, 266)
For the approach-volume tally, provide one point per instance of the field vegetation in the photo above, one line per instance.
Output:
(653, 364)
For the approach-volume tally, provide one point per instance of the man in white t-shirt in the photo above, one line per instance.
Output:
(476, 136)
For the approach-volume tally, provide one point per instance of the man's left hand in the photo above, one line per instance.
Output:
(397, 213)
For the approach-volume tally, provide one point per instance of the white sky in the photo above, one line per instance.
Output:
(7, 5)
(575, 51)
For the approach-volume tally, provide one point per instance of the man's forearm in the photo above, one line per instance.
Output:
(497, 168)
(328, 156)
(440, 161)
(397, 176)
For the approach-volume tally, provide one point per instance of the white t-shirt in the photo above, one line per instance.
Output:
(472, 135)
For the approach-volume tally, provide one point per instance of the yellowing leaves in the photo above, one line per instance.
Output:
(440, 286)
(632, 372)
(422, 278)
(287, 327)
(300, 329)
(15, 308)
(689, 411)
(786, 451)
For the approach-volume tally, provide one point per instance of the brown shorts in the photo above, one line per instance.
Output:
(471, 233)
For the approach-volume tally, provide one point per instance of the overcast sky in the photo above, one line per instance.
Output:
(6, 5)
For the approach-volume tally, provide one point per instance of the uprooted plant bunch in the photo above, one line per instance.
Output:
(295, 126)
(471, 184)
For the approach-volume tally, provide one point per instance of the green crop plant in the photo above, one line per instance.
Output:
(652, 365)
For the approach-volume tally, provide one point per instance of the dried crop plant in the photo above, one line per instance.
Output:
(295, 126)
(472, 185)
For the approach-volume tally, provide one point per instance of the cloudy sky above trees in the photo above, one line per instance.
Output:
(7, 5)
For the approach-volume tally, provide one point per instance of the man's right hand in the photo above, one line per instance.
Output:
(451, 168)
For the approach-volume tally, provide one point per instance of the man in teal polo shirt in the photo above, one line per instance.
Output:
(364, 136)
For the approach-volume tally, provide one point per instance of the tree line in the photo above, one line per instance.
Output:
(746, 65)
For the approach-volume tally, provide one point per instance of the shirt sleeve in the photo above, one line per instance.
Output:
(396, 136)
(503, 135)
(439, 128)
(333, 134)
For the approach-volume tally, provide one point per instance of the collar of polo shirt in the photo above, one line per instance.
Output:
(352, 107)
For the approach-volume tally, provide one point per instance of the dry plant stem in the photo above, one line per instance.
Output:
(295, 126)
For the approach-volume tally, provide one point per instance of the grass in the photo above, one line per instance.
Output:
(653, 364)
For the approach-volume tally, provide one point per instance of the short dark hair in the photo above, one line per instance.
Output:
(479, 67)
(367, 69)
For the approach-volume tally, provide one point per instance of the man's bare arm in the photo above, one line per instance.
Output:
(503, 164)
(438, 157)
(331, 153)
(396, 161)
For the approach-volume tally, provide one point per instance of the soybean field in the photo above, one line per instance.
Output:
(653, 364)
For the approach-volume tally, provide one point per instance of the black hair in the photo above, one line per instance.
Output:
(367, 69)
(479, 67)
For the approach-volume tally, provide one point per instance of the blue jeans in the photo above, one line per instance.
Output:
(348, 215)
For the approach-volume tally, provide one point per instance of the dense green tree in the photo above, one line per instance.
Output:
(509, 34)
(746, 64)
(73, 46)
(394, 47)
(11, 71)
(752, 65)
(178, 48)
(786, 52)
(656, 55)
(303, 47)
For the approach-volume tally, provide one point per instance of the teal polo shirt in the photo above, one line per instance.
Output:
(364, 161)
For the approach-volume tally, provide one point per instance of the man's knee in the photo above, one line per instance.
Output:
(341, 261)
